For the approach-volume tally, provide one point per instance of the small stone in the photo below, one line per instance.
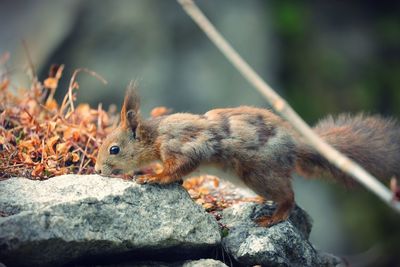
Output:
(204, 263)
(283, 244)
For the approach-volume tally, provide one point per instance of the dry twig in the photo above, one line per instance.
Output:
(281, 107)
(73, 85)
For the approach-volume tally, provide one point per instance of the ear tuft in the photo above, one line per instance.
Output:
(130, 108)
(132, 100)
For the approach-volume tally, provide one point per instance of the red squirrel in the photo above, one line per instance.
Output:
(249, 145)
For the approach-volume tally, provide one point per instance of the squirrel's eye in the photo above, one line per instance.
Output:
(114, 150)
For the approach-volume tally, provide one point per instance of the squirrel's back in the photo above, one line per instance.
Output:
(371, 141)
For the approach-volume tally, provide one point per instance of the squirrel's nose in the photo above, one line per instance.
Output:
(97, 169)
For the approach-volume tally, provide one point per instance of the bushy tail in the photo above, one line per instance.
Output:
(371, 141)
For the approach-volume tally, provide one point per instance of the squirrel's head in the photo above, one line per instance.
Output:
(127, 148)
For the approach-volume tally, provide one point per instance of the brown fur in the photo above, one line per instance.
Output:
(371, 141)
(252, 144)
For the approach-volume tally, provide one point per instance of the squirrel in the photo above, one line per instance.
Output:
(252, 146)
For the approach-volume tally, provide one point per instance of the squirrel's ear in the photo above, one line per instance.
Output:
(132, 120)
(130, 108)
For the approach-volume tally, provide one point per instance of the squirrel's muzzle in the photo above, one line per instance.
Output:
(97, 169)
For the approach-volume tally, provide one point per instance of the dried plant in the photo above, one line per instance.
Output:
(39, 138)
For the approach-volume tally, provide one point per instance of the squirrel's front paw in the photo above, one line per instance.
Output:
(153, 179)
(146, 179)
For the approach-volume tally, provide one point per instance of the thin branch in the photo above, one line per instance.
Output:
(30, 61)
(83, 156)
(281, 107)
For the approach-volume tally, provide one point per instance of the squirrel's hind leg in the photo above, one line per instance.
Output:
(283, 208)
(280, 191)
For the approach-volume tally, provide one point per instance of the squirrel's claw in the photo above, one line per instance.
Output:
(267, 221)
(146, 179)
(154, 179)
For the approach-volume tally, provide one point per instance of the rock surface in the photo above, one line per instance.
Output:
(73, 219)
(189, 263)
(90, 220)
(204, 263)
(284, 244)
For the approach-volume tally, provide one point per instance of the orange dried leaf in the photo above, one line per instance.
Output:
(216, 182)
(83, 109)
(159, 111)
(62, 171)
(50, 144)
(76, 135)
(200, 201)
(204, 191)
(27, 145)
(26, 158)
(51, 83)
(208, 206)
(51, 104)
(189, 184)
(62, 148)
(51, 163)
(38, 170)
(67, 134)
(75, 157)
(71, 133)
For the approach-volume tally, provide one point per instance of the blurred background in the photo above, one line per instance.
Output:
(324, 57)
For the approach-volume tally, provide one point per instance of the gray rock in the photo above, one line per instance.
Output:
(189, 263)
(204, 263)
(284, 244)
(73, 218)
